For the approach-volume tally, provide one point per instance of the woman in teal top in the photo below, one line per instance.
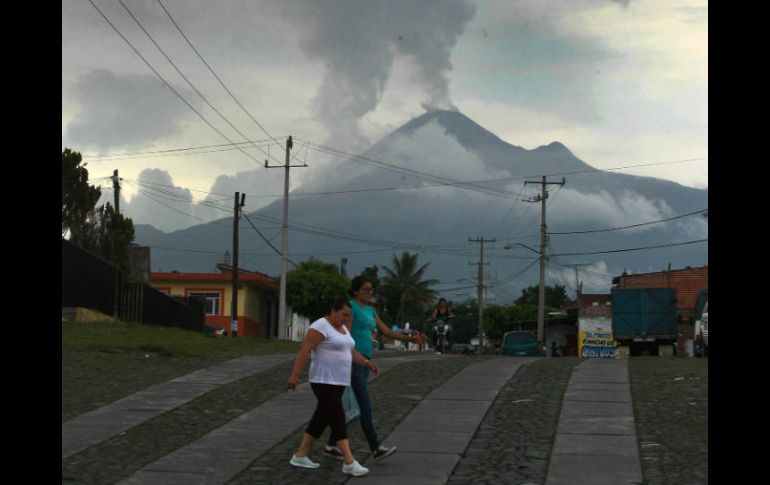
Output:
(365, 321)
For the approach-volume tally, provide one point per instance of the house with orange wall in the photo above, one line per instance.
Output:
(257, 298)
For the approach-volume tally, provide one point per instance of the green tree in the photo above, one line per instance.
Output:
(408, 295)
(98, 229)
(497, 320)
(78, 198)
(107, 234)
(555, 296)
(519, 312)
(312, 285)
(465, 324)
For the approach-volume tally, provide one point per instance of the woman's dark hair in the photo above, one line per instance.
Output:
(338, 303)
(356, 284)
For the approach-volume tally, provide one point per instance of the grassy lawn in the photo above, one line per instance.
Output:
(105, 361)
(671, 408)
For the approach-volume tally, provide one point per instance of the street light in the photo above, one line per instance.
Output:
(509, 246)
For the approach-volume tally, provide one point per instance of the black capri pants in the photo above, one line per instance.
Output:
(328, 412)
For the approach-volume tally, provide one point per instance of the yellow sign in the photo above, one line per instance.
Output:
(596, 344)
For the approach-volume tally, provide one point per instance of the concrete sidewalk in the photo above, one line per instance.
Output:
(101, 424)
(223, 453)
(596, 437)
(433, 437)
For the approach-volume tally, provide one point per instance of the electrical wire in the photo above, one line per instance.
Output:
(173, 64)
(167, 83)
(701, 211)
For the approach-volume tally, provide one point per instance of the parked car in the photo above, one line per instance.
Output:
(520, 343)
(462, 348)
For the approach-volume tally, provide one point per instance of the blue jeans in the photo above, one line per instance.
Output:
(358, 381)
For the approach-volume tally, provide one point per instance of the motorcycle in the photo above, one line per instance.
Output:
(441, 332)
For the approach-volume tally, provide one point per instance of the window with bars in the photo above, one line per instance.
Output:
(213, 301)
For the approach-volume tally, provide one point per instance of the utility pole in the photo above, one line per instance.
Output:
(234, 299)
(116, 187)
(481, 289)
(282, 317)
(577, 282)
(543, 242)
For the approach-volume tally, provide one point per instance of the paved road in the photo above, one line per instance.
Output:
(220, 455)
(441, 439)
(91, 428)
(596, 438)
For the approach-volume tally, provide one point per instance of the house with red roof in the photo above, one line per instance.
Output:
(257, 298)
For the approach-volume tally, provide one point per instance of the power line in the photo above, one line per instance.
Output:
(214, 73)
(516, 275)
(403, 170)
(602, 275)
(380, 189)
(505, 217)
(167, 83)
(174, 151)
(168, 195)
(190, 82)
(635, 225)
(267, 241)
(635, 249)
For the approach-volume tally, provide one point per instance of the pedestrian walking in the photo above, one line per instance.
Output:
(332, 352)
(365, 321)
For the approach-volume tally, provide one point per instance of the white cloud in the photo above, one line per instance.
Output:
(577, 208)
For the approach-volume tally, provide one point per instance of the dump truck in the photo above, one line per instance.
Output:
(644, 320)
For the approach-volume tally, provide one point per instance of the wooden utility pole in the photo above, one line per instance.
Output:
(543, 243)
(481, 290)
(116, 189)
(283, 326)
(577, 281)
(239, 201)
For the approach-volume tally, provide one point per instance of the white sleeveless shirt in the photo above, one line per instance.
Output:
(332, 359)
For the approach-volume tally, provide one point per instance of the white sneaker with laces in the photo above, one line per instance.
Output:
(303, 462)
(355, 469)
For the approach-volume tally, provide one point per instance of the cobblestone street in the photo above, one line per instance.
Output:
(512, 443)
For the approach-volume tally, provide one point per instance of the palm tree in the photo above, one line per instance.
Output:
(405, 290)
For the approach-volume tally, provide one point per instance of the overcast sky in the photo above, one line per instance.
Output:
(617, 82)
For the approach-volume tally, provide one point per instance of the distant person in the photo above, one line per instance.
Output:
(444, 313)
(442, 310)
(365, 322)
(554, 351)
(332, 352)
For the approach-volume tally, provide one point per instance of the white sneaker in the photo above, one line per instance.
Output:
(355, 469)
(303, 462)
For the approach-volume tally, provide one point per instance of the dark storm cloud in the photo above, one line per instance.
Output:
(124, 111)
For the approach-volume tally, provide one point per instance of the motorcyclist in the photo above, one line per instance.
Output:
(444, 313)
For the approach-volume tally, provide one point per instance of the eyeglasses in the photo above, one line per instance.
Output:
(367, 290)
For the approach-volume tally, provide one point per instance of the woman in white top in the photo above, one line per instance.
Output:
(332, 354)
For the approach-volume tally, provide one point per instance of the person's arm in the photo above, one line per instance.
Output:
(311, 341)
(361, 360)
(394, 335)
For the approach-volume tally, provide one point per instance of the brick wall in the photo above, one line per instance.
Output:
(587, 307)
